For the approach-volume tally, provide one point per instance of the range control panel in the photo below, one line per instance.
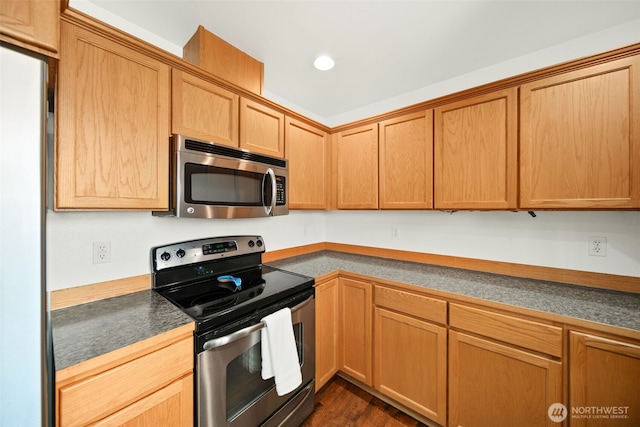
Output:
(195, 251)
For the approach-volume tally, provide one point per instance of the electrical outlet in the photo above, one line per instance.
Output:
(101, 252)
(395, 234)
(597, 246)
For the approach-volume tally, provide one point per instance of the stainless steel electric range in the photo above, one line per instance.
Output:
(221, 283)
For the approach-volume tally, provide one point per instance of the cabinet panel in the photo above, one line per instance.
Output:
(112, 150)
(115, 389)
(580, 138)
(411, 363)
(355, 329)
(413, 304)
(357, 168)
(33, 24)
(495, 385)
(603, 382)
(475, 152)
(261, 129)
(521, 332)
(406, 162)
(203, 110)
(326, 331)
(169, 406)
(307, 153)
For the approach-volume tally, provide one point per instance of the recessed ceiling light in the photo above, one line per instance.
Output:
(323, 63)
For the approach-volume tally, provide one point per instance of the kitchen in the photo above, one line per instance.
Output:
(551, 239)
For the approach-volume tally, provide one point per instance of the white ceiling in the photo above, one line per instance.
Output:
(382, 49)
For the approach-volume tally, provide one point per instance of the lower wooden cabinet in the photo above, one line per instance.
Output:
(604, 382)
(410, 363)
(326, 331)
(492, 384)
(464, 365)
(146, 384)
(170, 406)
(355, 329)
(504, 370)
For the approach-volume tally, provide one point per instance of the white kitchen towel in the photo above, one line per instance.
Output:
(279, 352)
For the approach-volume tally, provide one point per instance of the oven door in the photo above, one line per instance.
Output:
(230, 389)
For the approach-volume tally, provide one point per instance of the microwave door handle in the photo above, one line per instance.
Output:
(272, 176)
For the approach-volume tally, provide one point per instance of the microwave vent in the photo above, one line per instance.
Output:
(204, 147)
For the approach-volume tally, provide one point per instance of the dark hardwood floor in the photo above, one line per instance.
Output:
(341, 404)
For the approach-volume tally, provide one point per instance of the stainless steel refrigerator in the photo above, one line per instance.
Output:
(26, 372)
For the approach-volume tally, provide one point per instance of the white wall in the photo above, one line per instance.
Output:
(70, 237)
(555, 239)
(551, 239)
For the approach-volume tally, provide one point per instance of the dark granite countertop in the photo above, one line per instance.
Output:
(89, 330)
(619, 309)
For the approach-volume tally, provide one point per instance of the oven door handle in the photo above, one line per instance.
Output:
(218, 342)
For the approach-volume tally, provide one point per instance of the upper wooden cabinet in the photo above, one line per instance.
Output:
(357, 168)
(307, 153)
(32, 24)
(261, 128)
(406, 162)
(580, 138)
(112, 150)
(215, 55)
(603, 374)
(476, 152)
(201, 109)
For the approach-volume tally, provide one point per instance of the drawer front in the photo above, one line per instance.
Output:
(523, 333)
(96, 397)
(413, 304)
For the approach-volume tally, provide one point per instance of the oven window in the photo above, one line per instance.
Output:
(220, 186)
(244, 381)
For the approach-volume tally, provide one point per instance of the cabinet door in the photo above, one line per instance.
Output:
(495, 385)
(33, 24)
(261, 129)
(406, 162)
(200, 109)
(169, 406)
(355, 329)
(306, 151)
(112, 150)
(357, 168)
(603, 382)
(326, 331)
(580, 138)
(411, 363)
(476, 152)
(127, 388)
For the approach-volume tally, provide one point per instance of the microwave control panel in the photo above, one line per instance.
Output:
(281, 193)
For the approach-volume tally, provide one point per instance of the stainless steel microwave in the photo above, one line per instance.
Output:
(209, 180)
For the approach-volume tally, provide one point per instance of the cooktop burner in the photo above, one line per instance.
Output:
(207, 297)
(217, 280)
